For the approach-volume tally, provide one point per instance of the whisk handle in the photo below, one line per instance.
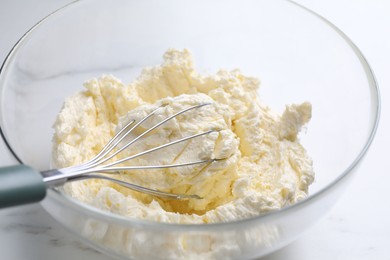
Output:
(20, 184)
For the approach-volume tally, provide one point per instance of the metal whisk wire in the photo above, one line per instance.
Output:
(96, 164)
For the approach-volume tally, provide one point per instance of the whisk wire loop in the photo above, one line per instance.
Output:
(96, 164)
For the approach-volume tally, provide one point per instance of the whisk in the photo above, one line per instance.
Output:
(22, 184)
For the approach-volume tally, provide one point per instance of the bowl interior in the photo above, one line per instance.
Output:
(297, 57)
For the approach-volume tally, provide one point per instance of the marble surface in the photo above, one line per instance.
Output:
(358, 227)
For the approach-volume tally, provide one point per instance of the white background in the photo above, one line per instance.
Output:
(358, 227)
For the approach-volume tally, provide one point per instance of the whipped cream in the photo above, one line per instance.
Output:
(266, 168)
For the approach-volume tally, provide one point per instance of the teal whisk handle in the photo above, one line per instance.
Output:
(19, 185)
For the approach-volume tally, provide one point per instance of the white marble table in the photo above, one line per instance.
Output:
(358, 227)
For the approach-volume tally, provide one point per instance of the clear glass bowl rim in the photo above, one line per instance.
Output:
(113, 218)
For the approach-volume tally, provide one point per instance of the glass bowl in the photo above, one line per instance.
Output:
(297, 54)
